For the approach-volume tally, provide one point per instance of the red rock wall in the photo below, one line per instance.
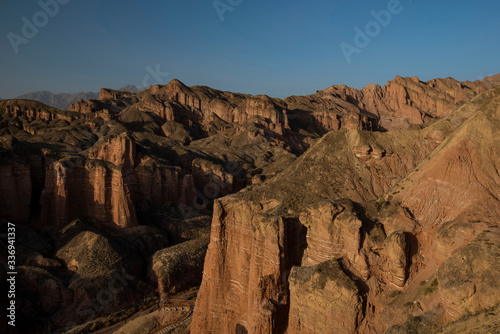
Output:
(91, 190)
(244, 285)
(15, 192)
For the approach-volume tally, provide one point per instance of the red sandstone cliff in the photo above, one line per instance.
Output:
(361, 231)
(422, 250)
(86, 189)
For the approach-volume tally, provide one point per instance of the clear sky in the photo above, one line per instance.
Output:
(274, 47)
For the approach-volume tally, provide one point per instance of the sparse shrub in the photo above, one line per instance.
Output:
(408, 304)
(394, 294)
(431, 288)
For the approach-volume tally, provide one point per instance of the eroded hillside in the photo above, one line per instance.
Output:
(386, 197)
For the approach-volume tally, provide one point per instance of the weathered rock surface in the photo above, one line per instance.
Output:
(485, 322)
(397, 250)
(433, 207)
(322, 221)
(104, 273)
(89, 254)
(179, 267)
(333, 231)
(323, 299)
(247, 292)
(468, 279)
(76, 189)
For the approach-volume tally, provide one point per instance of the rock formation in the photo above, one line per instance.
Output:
(312, 308)
(343, 211)
(455, 180)
(175, 268)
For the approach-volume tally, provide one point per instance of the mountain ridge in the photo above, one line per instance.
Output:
(64, 100)
(384, 196)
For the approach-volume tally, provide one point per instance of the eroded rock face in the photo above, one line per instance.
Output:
(250, 291)
(160, 185)
(396, 248)
(304, 249)
(33, 110)
(333, 231)
(468, 279)
(179, 267)
(104, 270)
(176, 131)
(105, 169)
(92, 189)
(398, 105)
(485, 322)
(440, 215)
(119, 150)
(323, 300)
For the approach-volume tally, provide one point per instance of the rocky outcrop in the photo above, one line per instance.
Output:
(333, 231)
(76, 189)
(112, 94)
(367, 152)
(93, 108)
(176, 131)
(449, 187)
(396, 248)
(404, 102)
(312, 308)
(249, 292)
(177, 268)
(33, 110)
(153, 104)
(104, 272)
(160, 185)
(213, 179)
(467, 279)
(118, 150)
(304, 248)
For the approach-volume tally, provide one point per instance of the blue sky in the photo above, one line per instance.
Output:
(278, 48)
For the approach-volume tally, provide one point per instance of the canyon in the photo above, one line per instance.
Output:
(344, 211)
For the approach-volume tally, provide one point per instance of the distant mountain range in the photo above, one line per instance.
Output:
(63, 100)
